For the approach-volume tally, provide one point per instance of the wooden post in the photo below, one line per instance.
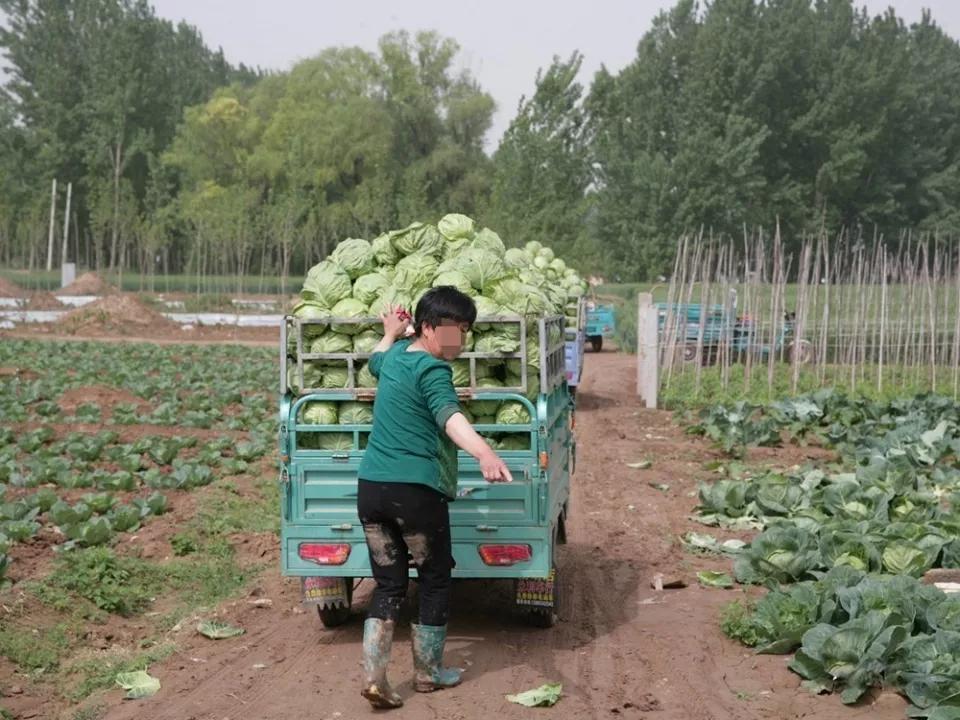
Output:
(53, 212)
(647, 354)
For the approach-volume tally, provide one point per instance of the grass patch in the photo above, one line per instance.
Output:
(115, 584)
(207, 577)
(226, 510)
(99, 671)
(36, 648)
(93, 712)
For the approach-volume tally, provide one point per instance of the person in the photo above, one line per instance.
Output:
(408, 476)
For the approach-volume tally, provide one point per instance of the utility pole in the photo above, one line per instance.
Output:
(66, 226)
(53, 212)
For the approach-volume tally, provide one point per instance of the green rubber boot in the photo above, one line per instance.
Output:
(430, 675)
(377, 639)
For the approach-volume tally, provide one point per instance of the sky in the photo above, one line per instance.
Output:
(503, 43)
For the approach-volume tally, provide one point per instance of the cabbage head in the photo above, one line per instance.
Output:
(312, 376)
(335, 377)
(516, 259)
(335, 441)
(365, 378)
(332, 342)
(455, 279)
(310, 311)
(366, 341)
(515, 380)
(383, 250)
(355, 256)
(482, 267)
(326, 284)
(514, 441)
(533, 247)
(319, 413)
(461, 372)
(418, 238)
(547, 254)
(369, 287)
(349, 308)
(391, 296)
(485, 308)
(456, 227)
(558, 266)
(485, 420)
(356, 413)
(485, 407)
(501, 339)
(488, 240)
(513, 413)
(415, 273)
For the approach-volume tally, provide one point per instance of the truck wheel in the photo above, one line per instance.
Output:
(332, 617)
(596, 342)
(547, 617)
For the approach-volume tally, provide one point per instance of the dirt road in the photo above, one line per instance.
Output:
(622, 650)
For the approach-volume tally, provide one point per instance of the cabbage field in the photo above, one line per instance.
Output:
(842, 548)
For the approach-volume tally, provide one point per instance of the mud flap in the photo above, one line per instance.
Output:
(536, 593)
(325, 592)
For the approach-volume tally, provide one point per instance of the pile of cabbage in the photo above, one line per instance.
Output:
(361, 278)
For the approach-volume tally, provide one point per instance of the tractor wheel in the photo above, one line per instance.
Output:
(332, 617)
(801, 351)
(596, 342)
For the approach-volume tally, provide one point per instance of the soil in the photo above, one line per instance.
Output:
(116, 315)
(88, 284)
(10, 290)
(43, 300)
(621, 650)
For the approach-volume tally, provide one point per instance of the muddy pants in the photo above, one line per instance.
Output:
(404, 523)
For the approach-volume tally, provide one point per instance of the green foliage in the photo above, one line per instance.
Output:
(112, 583)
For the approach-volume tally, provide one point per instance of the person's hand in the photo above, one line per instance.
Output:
(396, 321)
(494, 469)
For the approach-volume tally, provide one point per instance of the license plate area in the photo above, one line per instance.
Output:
(325, 592)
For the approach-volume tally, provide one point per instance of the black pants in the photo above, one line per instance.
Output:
(403, 523)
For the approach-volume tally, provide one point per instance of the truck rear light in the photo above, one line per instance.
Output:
(607, 328)
(505, 554)
(323, 554)
(544, 461)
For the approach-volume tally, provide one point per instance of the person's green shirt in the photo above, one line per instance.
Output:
(415, 399)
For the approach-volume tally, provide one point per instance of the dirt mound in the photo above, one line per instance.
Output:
(88, 284)
(42, 300)
(121, 314)
(10, 290)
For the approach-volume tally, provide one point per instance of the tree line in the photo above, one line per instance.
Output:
(736, 114)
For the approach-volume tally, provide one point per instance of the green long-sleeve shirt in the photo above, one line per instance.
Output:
(415, 398)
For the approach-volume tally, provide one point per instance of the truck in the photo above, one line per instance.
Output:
(575, 341)
(503, 531)
(600, 324)
(700, 332)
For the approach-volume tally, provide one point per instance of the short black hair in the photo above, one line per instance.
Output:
(444, 303)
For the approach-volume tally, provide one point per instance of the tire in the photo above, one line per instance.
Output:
(689, 353)
(546, 618)
(332, 617)
(596, 343)
(801, 351)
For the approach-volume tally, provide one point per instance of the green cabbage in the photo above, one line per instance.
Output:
(418, 238)
(481, 267)
(485, 308)
(415, 273)
(383, 250)
(514, 441)
(456, 227)
(312, 375)
(455, 279)
(515, 380)
(369, 287)
(356, 413)
(355, 256)
(335, 441)
(391, 296)
(331, 342)
(488, 240)
(319, 413)
(503, 338)
(485, 407)
(365, 378)
(512, 412)
(335, 377)
(515, 259)
(484, 420)
(326, 284)
(349, 308)
(310, 311)
(366, 341)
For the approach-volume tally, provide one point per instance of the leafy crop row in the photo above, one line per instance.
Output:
(842, 549)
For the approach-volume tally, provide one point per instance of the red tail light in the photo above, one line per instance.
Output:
(505, 554)
(324, 554)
